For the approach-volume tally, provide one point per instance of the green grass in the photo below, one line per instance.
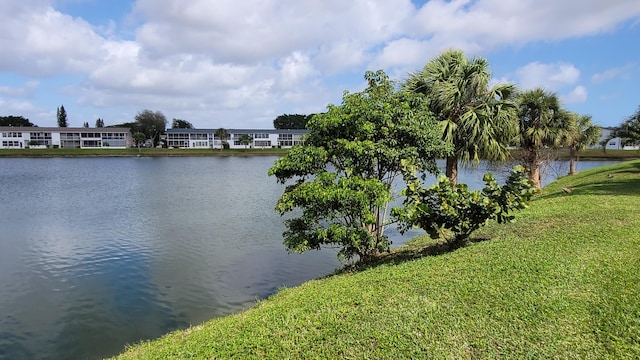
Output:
(562, 282)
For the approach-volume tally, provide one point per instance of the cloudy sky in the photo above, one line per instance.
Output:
(241, 63)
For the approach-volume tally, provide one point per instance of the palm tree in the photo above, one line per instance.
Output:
(479, 122)
(223, 135)
(542, 124)
(629, 130)
(245, 140)
(582, 133)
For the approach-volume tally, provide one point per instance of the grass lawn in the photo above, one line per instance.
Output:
(562, 282)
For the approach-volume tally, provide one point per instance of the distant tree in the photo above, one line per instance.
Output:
(15, 121)
(151, 124)
(139, 139)
(223, 135)
(542, 124)
(245, 139)
(181, 124)
(295, 121)
(582, 133)
(99, 123)
(340, 182)
(62, 117)
(86, 124)
(478, 120)
(629, 130)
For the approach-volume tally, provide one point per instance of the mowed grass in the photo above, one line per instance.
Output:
(562, 282)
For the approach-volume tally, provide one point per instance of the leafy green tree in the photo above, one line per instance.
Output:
(151, 124)
(15, 121)
(446, 206)
(582, 133)
(340, 180)
(62, 117)
(223, 135)
(542, 124)
(99, 123)
(181, 124)
(245, 139)
(629, 130)
(85, 125)
(294, 121)
(480, 122)
(139, 139)
(133, 126)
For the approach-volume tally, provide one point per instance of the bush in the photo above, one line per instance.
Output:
(455, 208)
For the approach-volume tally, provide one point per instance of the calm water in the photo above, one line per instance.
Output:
(96, 253)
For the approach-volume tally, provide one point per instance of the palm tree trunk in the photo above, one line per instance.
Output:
(573, 158)
(452, 169)
(534, 168)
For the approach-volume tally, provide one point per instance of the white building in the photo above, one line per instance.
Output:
(260, 138)
(612, 143)
(18, 137)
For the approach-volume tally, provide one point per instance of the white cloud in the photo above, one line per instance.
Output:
(549, 76)
(29, 88)
(232, 61)
(613, 73)
(578, 95)
(486, 24)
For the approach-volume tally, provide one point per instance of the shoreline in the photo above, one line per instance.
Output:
(561, 155)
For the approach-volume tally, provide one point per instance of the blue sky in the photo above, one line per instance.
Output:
(241, 63)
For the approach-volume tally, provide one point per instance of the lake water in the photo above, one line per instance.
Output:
(97, 253)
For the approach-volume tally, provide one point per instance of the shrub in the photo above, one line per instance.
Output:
(455, 208)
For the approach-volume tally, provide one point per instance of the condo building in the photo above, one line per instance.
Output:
(259, 138)
(64, 137)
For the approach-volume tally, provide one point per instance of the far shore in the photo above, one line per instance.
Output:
(562, 155)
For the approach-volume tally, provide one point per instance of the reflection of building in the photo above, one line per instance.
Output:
(42, 137)
(260, 138)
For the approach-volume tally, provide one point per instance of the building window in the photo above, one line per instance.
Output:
(285, 140)
(11, 144)
(263, 143)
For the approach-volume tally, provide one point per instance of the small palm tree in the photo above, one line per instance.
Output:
(629, 130)
(245, 140)
(479, 122)
(542, 124)
(223, 135)
(581, 134)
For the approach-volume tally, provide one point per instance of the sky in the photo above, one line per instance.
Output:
(242, 63)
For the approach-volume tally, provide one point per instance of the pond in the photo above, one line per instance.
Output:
(97, 253)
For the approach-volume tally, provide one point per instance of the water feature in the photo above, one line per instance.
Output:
(97, 253)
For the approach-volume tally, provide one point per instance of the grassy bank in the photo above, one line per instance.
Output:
(591, 154)
(561, 282)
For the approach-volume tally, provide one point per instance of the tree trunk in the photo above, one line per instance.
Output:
(573, 159)
(452, 169)
(534, 168)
